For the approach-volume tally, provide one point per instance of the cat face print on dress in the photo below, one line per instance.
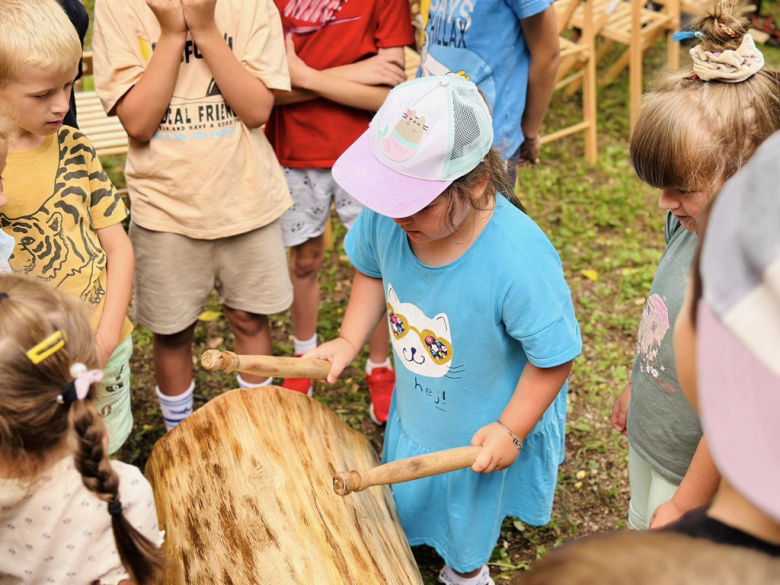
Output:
(405, 138)
(424, 344)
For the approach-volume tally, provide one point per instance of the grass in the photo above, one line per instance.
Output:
(609, 232)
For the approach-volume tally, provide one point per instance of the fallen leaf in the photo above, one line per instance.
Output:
(209, 316)
(581, 474)
(590, 275)
(578, 485)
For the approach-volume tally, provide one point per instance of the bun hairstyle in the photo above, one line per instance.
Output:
(694, 133)
(37, 426)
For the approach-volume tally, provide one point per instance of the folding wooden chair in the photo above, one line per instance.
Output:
(580, 54)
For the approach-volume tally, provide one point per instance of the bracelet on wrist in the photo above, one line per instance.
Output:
(515, 441)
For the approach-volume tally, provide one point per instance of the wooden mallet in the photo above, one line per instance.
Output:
(265, 365)
(346, 482)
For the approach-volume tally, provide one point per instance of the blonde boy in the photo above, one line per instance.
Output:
(63, 212)
(8, 135)
(190, 79)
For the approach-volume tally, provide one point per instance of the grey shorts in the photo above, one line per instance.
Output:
(313, 191)
(174, 275)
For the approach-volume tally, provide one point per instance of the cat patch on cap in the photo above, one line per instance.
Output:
(404, 140)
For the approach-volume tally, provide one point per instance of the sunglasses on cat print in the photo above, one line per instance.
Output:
(439, 350)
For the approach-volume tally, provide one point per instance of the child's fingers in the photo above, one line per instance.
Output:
(337, 366)
(391, 58)
(478, 438)
(483, 461)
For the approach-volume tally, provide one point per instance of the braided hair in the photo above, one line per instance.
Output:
(37, 427)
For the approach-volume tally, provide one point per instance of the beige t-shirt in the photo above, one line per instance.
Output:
(204, 174)
(57, 531)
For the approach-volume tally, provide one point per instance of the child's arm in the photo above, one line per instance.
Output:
(333, 87)
(247, 96)
(384, 68)
(541, 37)
(697, 488)
(120, 266)
(534, 394)
(365, 309)
(143, 107)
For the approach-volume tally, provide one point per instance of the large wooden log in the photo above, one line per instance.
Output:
(244, 493)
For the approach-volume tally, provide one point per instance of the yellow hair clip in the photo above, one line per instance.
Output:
(48, 347)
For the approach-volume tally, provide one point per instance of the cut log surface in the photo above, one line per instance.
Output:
(244, 492)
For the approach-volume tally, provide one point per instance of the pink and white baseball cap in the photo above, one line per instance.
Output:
(738, 330)
(429, 132)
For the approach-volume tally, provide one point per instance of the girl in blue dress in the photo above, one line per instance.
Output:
(481, 319)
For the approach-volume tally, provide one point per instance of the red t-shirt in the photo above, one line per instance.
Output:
(331, 33)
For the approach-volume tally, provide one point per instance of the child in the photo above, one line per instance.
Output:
(510, 49)
(69, 514)
(341, 64)
(190, 80)
(481, 318)
(8, 134)
(649, 558)
(727, 342)
(696, 129)
(63, 211)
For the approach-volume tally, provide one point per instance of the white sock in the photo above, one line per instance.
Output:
(371, 365)
(244, 384)
(301, 347)
(448, 576)
(176, 408)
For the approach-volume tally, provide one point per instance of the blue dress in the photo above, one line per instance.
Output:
(462, 334)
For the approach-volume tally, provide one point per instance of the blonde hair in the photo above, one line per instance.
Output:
(651, 558)
(35, 427)
(694, 134)
(35, 33)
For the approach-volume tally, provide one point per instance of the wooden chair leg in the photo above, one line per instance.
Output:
(635, 64)
(589, 88)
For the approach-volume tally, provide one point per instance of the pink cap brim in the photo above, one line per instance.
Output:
(380, 188)
(739, 401)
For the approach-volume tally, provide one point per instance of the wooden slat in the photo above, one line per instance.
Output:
(106, 133)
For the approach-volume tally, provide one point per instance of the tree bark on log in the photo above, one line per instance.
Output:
(244, 492)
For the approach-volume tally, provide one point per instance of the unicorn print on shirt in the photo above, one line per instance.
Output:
(423, 344)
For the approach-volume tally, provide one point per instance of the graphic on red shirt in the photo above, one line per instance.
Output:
(319, 13)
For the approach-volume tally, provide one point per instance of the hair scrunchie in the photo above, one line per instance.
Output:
(730, 66)
(115, 508)
(78, 388)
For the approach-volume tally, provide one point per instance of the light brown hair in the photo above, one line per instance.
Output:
(35, 33)
(35, 428)
(693, 135)
(494, 168)
(651, 558)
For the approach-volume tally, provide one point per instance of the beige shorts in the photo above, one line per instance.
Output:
(174, 275)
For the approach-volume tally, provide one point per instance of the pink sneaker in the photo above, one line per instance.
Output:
(302, 385)
(381, 382)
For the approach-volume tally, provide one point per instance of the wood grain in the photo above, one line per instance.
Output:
(244, 493)
(265, 365)
(403, 470)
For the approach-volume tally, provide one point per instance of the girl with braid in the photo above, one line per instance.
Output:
(67, 513)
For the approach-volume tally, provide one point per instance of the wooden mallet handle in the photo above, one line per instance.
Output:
(346, 482)
(265, 365)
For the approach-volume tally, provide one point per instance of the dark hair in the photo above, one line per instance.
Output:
(35, 427)
(493, 166)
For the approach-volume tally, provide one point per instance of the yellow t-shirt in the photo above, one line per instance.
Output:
(58, 197)
(204, 174)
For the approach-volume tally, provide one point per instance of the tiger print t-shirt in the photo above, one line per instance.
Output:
(58, 197)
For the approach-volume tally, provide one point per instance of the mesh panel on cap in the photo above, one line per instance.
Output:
(471, 130)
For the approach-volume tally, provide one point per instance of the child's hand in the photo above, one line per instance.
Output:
(381, 69)
(199, 14)
(105, 346)
(620, 410)
(666, 513)
(169, 14)
(338, 352)
(299, 71)
(529, 150)
(498, 450)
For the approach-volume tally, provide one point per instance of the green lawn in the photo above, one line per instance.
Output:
(609, 232)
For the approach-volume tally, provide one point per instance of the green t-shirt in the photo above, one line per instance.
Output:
(662, 426)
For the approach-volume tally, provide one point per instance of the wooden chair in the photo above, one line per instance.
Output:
(105, 132)
(616, 21)
(581, 53)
